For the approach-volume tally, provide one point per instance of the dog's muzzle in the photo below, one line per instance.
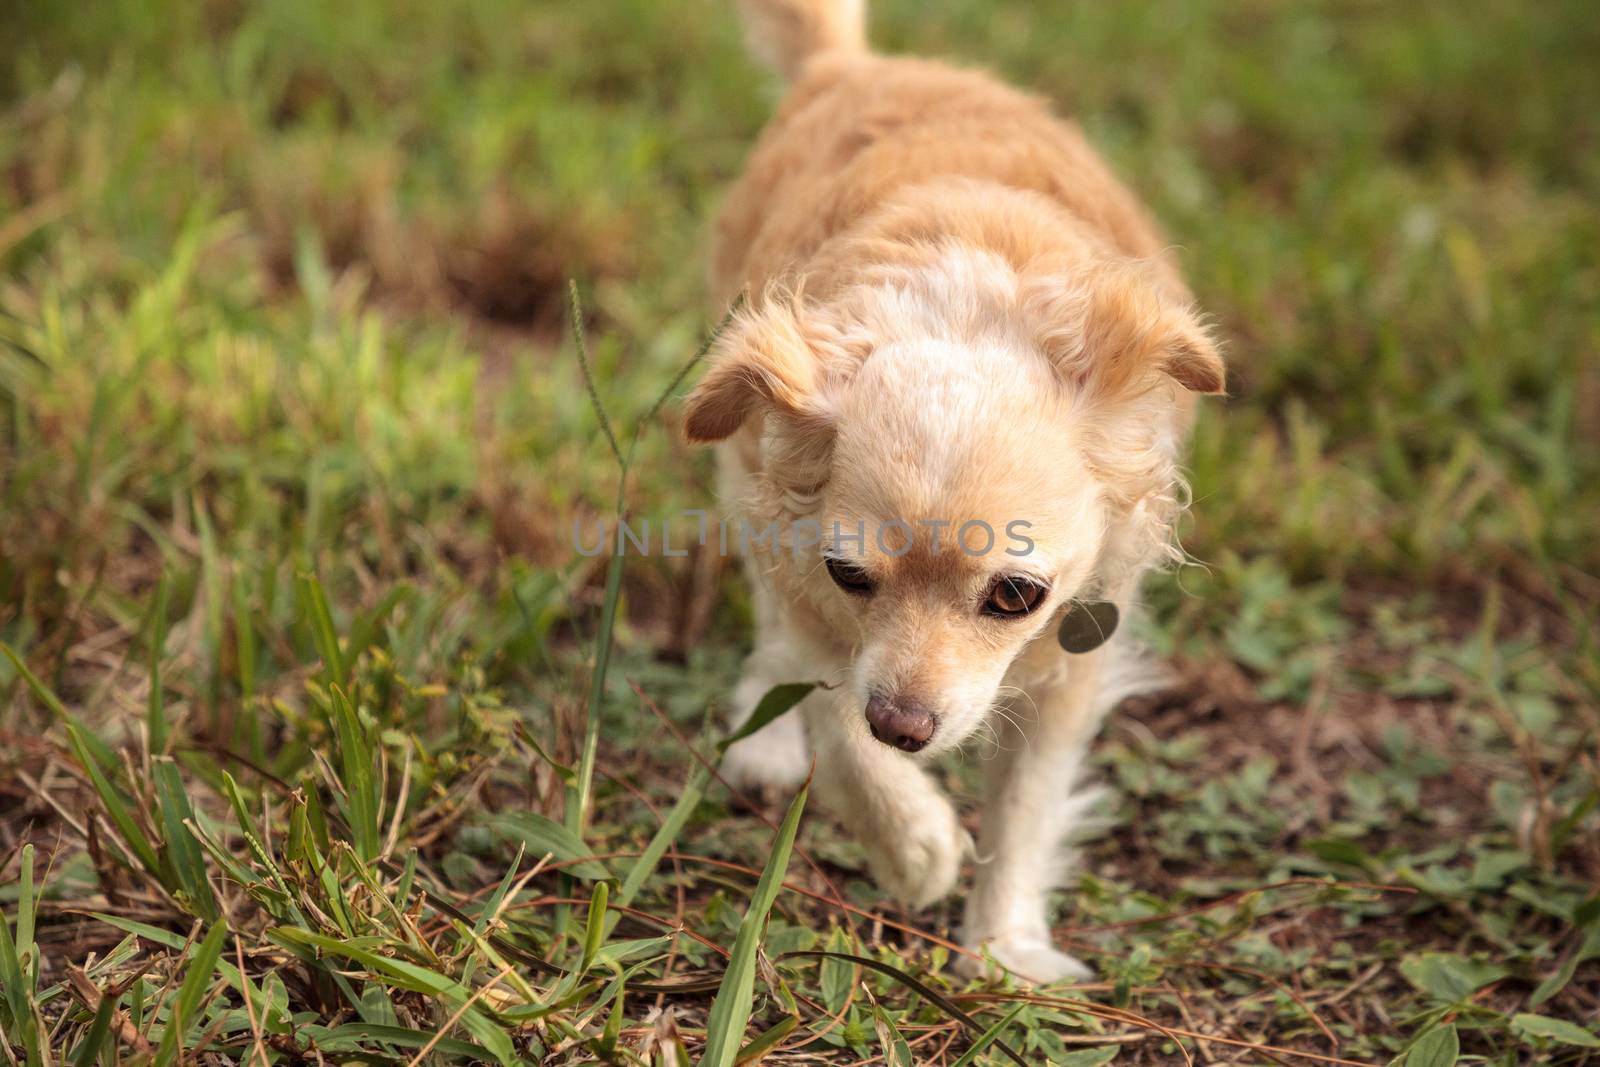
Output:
(906, 725)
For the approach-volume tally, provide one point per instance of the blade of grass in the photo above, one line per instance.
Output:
(606, 1043)
(357, 761)
(578, 813)
(244, 636)
(351, 1036)
(26, 903)
(988, 1037)
(933, 996)
(544, 836)
(112, 802)
(198, 972)
(665, 836)
(167, 939)
(182, 850)
(584, 365)
(94, 1041)
(314, 604)
(730, 1011)
(93, 745)
(767, 1040)
(594, 932)
(364, 629)
(410, 976)
(491, 907)
(579, 795)
(212, 584)
(155, 709)
(16, 979)
(567, 775)
(693, 361)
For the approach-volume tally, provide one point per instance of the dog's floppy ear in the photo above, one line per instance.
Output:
(762, 361)
(1117, 332)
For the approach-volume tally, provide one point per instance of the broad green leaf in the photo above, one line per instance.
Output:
(1447, 976)
(1439, 1047)
(896, 1051)
(1090, 1057)
(1543, 1026)
(1338, 850)
(1590, 949)
(778, 700)
(837, 974)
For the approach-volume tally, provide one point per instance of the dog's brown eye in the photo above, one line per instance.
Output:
(849, 577)
(1013, 596)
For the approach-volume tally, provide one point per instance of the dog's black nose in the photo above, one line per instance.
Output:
(903, 724)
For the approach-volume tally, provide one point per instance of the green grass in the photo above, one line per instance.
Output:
(294, 753)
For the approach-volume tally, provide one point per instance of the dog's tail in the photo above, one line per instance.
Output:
(786, 33)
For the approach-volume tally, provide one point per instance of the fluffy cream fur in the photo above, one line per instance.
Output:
(956, 314)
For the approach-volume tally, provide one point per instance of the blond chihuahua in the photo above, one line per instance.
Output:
(954, 403)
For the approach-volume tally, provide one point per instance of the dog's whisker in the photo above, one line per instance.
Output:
(1005, 712)
(1013, 690)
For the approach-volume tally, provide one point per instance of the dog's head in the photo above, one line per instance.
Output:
(949, 457)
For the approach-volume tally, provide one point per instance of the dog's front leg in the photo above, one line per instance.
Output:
(1029, 809)
(776, 758)
(913, 839)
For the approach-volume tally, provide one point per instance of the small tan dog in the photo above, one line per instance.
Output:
(958, 321)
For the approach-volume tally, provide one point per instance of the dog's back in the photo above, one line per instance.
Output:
(858, 131)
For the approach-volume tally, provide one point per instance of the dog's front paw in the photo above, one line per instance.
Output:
(1030, 957)
(919, 863)
(775, 758)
